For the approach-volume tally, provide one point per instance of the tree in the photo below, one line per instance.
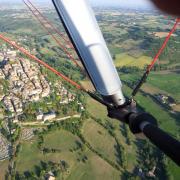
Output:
(65, 165)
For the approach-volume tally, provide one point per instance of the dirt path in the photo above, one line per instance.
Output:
(37, 123)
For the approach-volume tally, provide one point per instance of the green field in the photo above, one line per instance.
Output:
(59, 139)
(93, 168)
(127, 60)
(62, 140)
(157, 82)
(1, 114)
(100, 139)
(169, 82)
(47, 52)
(96, 109)
(130, 150)
(130, 44)
(29, 156)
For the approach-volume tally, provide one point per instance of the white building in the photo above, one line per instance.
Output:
(39, 116)
(50, 176)
(49, 116)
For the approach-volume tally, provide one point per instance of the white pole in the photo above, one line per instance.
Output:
(85, 33)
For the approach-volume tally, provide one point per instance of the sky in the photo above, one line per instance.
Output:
(119, 3)
(123, 3)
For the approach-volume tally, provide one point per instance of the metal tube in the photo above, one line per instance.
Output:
(81, 25)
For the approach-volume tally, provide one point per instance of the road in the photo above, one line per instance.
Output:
(41, 123)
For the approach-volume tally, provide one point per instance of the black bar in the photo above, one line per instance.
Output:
(169, 145)
(146, 123)
(139, 84)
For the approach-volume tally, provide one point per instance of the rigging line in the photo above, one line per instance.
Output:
(149, 68)
(163, 45)
(51, 25)
(57, 41)
(49, 32)
(21, 49)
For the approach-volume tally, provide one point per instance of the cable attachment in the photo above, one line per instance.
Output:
(147, 124)
(140, 83)
(123, 112)
(99, 99)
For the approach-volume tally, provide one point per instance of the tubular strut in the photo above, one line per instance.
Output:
(38, 16)
(149, 68)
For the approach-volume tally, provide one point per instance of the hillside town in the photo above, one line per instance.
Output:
(26, 83)
(22, 82)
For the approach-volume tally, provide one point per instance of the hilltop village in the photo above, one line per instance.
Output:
(22, 83)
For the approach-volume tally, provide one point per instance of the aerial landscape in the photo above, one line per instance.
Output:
(51, 130)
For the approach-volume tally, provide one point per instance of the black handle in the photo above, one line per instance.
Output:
(147, 124)
(169, 145)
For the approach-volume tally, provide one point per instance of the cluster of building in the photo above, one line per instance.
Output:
(150, 173)
(50, 176)
(45, 116)
(26, 83)
(13, 104)
(166, 100)
(7, 53)
(66, 96)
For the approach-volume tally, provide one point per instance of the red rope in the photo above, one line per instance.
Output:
(163, 46)
(21, 49)
(145, 75)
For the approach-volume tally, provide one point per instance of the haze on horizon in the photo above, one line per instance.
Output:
(104, 3)
(123, 3)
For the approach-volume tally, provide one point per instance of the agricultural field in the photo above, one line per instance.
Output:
(94, 167)
(165, 82)
(100, 139)
(168, 82)
(59, 139)
(87, 84)
(29, 156)
(1, 114)
(96, 109)
(130, 61)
